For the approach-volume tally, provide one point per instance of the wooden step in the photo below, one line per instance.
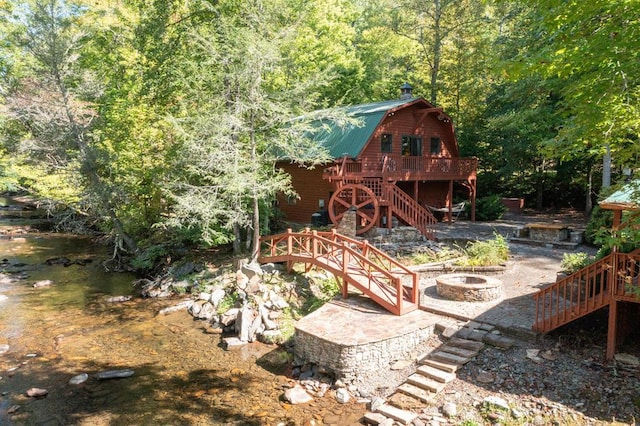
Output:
(401, 416)
(444, 366)
(471, 345)
(416, 392)
(436, 374)
(425, 383)
(449, 358)
(464, 353)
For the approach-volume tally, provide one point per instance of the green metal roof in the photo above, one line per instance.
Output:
(627, 197)
(351, 139)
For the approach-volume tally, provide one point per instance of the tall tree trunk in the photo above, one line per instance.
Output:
(437, 48)
(237, 240)
(588, 205)
(255, 252)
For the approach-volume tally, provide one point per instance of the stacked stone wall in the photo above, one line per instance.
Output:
(351, 362)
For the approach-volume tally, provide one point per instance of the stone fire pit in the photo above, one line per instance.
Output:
(468, 287)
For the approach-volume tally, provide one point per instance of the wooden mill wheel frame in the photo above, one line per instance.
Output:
(362, 198)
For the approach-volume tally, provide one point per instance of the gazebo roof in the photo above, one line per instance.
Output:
(625, 198)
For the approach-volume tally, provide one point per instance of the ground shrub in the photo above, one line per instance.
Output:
(573, 262)
(490, 208)
(486, 253)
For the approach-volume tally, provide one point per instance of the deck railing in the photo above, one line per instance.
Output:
(587, 290)
(398, 167)
(356, 263)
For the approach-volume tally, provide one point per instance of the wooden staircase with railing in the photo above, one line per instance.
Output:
(410, 211)
(358, 264)
(614, 277)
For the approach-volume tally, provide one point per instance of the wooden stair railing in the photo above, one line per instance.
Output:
(574, 296)
(615, 276)
(407, 209)
(373, 272)
(627, 276)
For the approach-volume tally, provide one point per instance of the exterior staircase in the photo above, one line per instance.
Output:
(438, 368)
(410, 211)
(613, 277)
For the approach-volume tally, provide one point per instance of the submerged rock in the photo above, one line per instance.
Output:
(36, 392)
(114, 374)
(42, 283)
(118, 299)
(80, 378)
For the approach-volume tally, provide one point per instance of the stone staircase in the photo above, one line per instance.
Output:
(438, 367)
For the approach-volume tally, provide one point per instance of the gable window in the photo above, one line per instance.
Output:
(385, 142)
(412, 146)
(436, 146)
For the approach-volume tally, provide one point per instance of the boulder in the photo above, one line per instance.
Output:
(251, 270)
(342, 396)
(207, 311)
(217, 295)
(229, 317)
(297, 395)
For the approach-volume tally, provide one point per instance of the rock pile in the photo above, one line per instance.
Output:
(249, 302)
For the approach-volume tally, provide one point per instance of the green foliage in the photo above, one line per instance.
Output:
(230, 300)
(573, 262)
(486, 253)
(146, 259)
(490, 208)
(599, 225)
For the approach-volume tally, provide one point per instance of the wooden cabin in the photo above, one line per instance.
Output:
(612, 282)
(399, 164)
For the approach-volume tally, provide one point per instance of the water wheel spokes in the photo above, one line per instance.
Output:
(362, 199)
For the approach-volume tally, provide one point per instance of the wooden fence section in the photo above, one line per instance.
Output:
(356, 263)
(614, 277)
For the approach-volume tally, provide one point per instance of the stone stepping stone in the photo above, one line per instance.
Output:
(465, 353)
(436, 374)
(466, 344)
(401, 416)
(499, 341)
(374, 418)
(449, 358)
(416, 392)
(444, 366)
(425, 383)
(471, 334)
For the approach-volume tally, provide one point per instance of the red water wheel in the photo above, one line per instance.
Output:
(359, 197)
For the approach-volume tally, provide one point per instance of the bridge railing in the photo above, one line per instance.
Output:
(372, 271)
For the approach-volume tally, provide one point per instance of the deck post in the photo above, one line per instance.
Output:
(612, 329)
(450, 202)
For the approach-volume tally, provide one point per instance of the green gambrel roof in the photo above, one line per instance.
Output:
(626, 198)
(351, 139)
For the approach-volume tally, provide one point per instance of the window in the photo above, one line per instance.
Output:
(412, 146)
(385, 142)
(436, 146)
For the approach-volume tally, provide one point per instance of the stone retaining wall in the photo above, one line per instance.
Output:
(351, 362)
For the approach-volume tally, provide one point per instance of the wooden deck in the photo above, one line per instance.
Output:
(403, 168)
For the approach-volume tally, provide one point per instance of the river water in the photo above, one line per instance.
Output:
(182, 375)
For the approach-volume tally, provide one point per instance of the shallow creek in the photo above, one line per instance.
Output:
(182, 375)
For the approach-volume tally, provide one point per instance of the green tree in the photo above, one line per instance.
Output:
(51, 97)
(241, 114)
